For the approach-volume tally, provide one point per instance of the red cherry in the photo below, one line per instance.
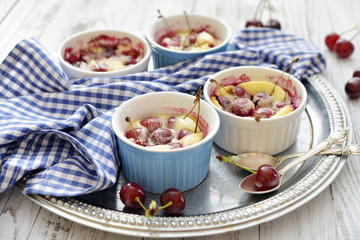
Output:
(352, 88)
(72, 56)
(273, 23)
(240, 92)
(192, 39)
(141, 136)
(129, 194)
(151, 123)
(330, 40)
(256, 23)
(224, 101)
(266, 177)
(343, 48)
(183, 133)
(243, 107)
(176, 197)
(161, 136)
(107, 41)
(356, 73)
(263, 112)
(171, 122)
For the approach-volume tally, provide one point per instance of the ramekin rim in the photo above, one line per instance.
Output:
(224, 43)
(268, 120)
(104, 74)
(208, 137)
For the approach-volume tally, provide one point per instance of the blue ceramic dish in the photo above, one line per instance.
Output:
(156, 169)
(163, 56)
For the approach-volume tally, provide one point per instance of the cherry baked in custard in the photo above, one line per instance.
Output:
(192, 40)
(105, 53)
(165, 131)
(245, 98)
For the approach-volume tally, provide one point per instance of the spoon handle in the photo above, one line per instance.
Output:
(335, 137)
(353, 149)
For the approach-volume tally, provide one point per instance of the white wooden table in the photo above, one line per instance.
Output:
(333, 214)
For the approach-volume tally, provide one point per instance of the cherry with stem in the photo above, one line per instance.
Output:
(289, 66)
(218, 86)
(342, 47)
(256, 21)
(132, 195)
(172, 201)
(266, 176)
(137, 140)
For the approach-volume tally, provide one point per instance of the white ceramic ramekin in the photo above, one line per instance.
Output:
(244, 134)
(156, 170)
(83, 37)
(163, 56)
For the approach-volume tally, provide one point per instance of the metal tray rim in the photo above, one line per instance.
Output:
(230, 220)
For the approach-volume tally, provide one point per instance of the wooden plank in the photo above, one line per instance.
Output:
(18, 216)
(6, 6)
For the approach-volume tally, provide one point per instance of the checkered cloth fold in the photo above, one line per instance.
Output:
(59, 129)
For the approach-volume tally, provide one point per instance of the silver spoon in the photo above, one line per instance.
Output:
(248, 183)
(254, 160)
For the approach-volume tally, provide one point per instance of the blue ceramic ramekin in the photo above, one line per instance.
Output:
(163, 56)
(155, 169)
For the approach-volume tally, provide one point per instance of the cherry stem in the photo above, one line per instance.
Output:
(137, 140)
(198, 98)
(357, 26)
(230, 159)
(357, 33)
(257, 117)
(153, 209)
(187, 20)
(289, 66)
(258, 9)
(137, 199)
(262, 9)
(191, 30)
(170, 203)
(196, 101)
(269, 9)
(218, 86)
(161, 16)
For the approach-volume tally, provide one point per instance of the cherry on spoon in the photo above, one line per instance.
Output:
(248, 183)
(254, 160)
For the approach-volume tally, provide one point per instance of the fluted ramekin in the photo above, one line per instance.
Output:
(137, 42)
(163, 56)
(154, 169)
(244, 134)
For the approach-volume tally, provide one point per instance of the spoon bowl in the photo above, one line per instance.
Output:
(248, 183)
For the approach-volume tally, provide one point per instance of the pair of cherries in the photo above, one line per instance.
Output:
(133, 196)
(342, 47)
(256, 22)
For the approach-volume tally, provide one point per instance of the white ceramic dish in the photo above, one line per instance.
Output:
(244, 134)
(83, 37)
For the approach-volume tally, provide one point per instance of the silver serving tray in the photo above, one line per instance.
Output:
(217, 205)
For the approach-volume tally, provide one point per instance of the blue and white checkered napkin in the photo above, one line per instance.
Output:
(59, 129)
